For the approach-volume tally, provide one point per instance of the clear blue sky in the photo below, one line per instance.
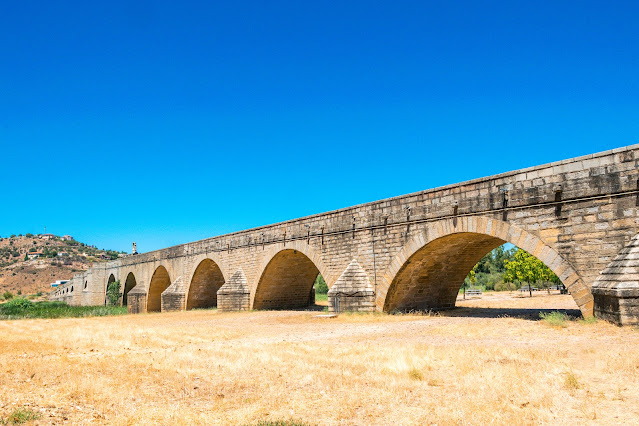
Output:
(168, 122)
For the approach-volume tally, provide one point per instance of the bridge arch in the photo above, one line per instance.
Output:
(128, 286)
(160, 281)
(287, 275)
(206, 280)
(430, 268)
(106, 288)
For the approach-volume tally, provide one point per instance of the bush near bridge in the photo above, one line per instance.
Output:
(19, 308)
(507, 270)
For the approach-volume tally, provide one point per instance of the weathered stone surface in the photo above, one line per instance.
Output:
(136, 301)
(575, 215)
(174, 297)
(234, 295)
(352, 291)
(616, 291)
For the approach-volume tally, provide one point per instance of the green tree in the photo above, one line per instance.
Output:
(320, 285)
(524, 267)
(113, 293)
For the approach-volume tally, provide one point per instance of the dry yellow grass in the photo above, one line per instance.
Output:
(203, 367)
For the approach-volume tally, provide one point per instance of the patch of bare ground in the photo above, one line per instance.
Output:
(205, 367)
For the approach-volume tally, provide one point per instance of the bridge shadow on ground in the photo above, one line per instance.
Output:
(531, 314)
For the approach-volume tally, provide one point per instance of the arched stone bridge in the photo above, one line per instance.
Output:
(578, 216)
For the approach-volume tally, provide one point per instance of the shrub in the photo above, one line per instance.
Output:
(503, 286)
(320, 285)
(113, 292)
(16, 306)
(488, 281)
(7, 295)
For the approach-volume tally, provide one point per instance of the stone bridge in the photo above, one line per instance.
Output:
(411, 252)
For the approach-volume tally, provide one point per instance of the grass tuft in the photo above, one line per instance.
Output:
(554, 319)
(282, 423)
(589, 320)
(571, 382)
(415, 374)
(20, 416)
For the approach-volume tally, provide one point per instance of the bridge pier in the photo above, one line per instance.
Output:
(234, 295)
(174, 297)
(616, 290)
(352, 291)
(136, 300)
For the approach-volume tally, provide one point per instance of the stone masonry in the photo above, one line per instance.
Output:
(577, 216)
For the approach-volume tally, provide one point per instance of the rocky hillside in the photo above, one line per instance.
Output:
(30, 263)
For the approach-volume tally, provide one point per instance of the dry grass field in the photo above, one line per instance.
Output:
(468, 366)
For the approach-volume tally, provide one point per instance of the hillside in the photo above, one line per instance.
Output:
(30, 263)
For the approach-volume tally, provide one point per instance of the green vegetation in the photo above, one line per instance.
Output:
(589, 320)
(555, 319)
(524, 267)
(19, 416)
(19, 308)
(113, 293)
(321, 297)
(320, 285)
(507, 270)
(7, 295)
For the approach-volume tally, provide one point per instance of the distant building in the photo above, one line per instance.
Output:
(34, 254)
(67, 238)
(47, 236)
(63, 253)
(59, 283)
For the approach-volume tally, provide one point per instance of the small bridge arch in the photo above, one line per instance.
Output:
(160, 281)
(286, 277)
(206, 280)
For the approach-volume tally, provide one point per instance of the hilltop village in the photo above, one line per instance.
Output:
(31, 263)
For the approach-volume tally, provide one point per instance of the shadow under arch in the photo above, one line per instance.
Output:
(429, 270)
(206, 281)
(159, 282)
(128, 286)
(287, 280)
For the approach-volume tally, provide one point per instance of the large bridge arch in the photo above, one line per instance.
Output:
(160, 281)
(206, 280)
(430, 268)
(286, 276)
